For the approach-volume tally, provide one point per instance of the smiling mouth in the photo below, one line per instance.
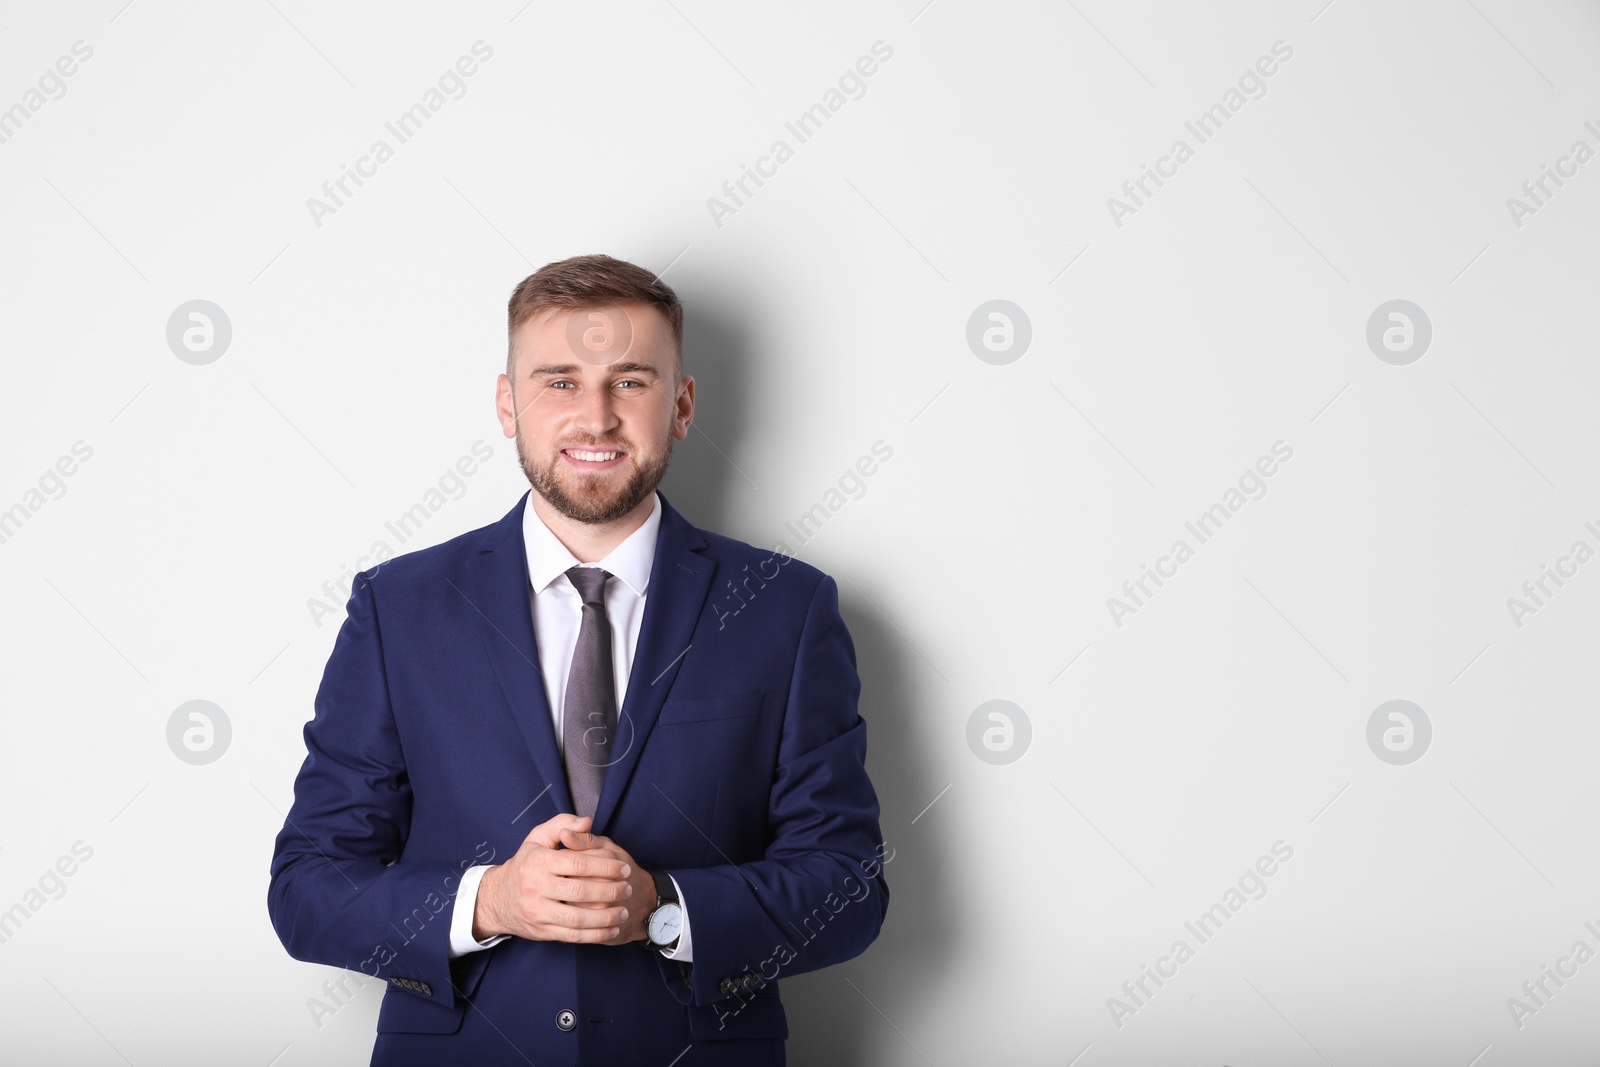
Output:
(593, 459)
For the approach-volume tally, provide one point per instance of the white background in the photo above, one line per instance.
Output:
(828, 312)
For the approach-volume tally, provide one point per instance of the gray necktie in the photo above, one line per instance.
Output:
(589, 710)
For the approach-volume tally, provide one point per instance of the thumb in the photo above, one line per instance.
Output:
(548, 833)
(579, 839)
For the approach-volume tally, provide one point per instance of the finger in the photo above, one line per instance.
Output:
(548, 833)
(583, 889)
(576, 864)
(598, 863)
(569, 917)
(602, 936)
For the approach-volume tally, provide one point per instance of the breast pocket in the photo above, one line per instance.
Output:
(730, 708)
(710, 756)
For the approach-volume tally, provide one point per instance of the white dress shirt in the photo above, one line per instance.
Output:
(557, 615)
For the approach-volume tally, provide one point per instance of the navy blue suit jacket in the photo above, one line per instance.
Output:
(741, 773)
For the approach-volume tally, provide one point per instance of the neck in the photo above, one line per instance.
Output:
(591, 542)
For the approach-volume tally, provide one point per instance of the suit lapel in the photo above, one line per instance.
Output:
(680, 579)
(501, 591)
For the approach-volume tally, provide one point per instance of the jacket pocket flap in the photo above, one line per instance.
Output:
(760, 1018)
(408, 1013)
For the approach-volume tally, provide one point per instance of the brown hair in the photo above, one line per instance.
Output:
(584, 282)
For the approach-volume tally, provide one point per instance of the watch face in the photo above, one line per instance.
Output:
(666, 923)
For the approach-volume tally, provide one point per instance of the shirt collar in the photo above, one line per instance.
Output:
(549, 559)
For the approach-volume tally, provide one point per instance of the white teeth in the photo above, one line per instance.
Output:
(593, 457)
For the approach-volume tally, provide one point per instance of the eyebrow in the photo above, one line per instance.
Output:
(554, 369)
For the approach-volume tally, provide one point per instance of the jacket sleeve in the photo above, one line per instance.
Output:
(341, 892)
(818, 895)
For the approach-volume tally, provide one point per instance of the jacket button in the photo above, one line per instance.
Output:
(565, 1020)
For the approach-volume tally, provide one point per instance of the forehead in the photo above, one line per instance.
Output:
(597, 335)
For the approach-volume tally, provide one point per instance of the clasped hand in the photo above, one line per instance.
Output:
(566, 884)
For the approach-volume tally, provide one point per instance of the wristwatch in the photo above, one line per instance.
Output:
(664, 924)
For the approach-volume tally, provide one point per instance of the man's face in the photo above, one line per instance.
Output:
(594, 407)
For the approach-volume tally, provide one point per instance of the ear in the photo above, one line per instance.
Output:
(505, 406)
(683, 411)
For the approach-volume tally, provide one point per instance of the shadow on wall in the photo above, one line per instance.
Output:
(716, 352)
(829, 1021)
(833, 1014)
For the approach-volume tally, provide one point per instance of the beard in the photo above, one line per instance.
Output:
(586, 499)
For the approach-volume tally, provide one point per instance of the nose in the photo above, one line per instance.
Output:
(596, 413)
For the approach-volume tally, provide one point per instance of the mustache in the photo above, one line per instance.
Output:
(598, 446)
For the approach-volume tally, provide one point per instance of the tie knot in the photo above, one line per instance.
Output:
(590, 582)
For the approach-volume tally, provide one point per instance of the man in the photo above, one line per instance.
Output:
(584, 784)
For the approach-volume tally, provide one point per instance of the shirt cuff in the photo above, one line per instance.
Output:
(684, 952)
(466, 906)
